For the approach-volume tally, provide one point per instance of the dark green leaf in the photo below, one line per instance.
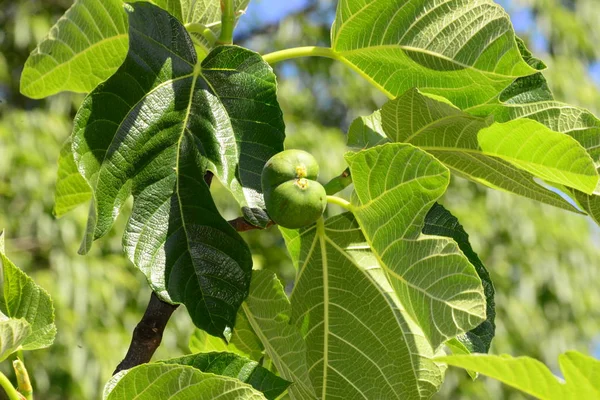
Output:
(153, 130)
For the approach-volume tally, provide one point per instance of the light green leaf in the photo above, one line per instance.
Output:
(178, 382)
(547, 154)
(71, 189)
(504, 156)
(361, 343)
(83, 48)
(203, 14)
(464, 50)
(13, 333)
(153, 130)
(395, 186)
(441, 222)
(269, 312)
(366, 132)
(581, 373)
(243, 342)
(21, 298)
(234, 366)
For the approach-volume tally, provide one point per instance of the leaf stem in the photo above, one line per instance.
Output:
(203, 30)
(298, 52)
(23, 382)
(9, 389)
(339, 183)
(227, 22)
(345, 204)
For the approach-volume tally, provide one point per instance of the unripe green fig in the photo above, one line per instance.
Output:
(292, 195)
(288, 165)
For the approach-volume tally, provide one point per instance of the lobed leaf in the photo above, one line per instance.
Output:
(440, 222)
(464, 50)
(269, 313)
(153, 130)
(361, 342)
(235, 366)
(177, 382)
(395, 186)
(85, 46)
(581, 373)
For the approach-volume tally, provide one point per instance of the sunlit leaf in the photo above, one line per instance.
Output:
(396, 185)
(441, 222)
(464, 50)
(581, 374)
(83, 48)
(178, 382)
(234, 366)
(361, 343)
(269, 312)
(71, 189)
(22, 299)
(13, 332)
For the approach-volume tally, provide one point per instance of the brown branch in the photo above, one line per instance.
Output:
(147, 335)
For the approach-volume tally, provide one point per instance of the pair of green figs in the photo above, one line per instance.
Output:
(293, 196)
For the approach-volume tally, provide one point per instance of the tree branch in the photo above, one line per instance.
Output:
(148, 333)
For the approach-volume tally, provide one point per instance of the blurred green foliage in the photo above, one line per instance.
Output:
(545, 262)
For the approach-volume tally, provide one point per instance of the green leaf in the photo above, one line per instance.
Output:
(178, 382)
(365, 132)
(395, 186)
(71, 189)
(83, 48)
(243, 342)
(13, 332)
(581, 373)
(361, 342)
(441, 222)
(153, 130)
(464, 50)
(21, 298)
(232, 365)
(461, 347)
(504, 156)
(269, 312)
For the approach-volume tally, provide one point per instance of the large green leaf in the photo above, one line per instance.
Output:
(581, 374)
(13, 332)
(153, 130)
(232, 365)
(243, 342)
(464, 50)
(269, 312)
(177, 382)
(441, 222)
(71, 189)
(83, 48)
(22, 300)
(361, 343)
(504, 156)
(395, 186)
